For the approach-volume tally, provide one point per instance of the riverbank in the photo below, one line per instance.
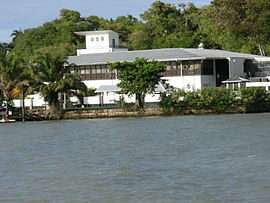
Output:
(85, 113)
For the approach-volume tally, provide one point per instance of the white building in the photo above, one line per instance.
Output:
(100, 42)
(186, 68)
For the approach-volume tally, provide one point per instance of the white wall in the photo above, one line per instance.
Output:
(91, 100)
(97, 83)
(34, 100)
(97, 44)
(100, 43)
(259, 84)
(188, 83)
(152, 98)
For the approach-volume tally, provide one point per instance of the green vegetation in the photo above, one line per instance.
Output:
(35, 59)
(224, 24)
(139, 77)
(12, 76)
(219, 100)
(246, 20)
(52, 80)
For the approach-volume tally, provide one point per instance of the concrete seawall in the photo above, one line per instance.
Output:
(122, 113)
(110, 113)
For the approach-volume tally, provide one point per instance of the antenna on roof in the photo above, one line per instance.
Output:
(201, 46)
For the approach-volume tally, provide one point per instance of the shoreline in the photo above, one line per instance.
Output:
(75, 114)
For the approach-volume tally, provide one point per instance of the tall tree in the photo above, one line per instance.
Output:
(11, 75)
(166, 25)
(53, 79)
(244, 18)
(139, 77)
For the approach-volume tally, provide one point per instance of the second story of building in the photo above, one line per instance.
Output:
(100, 42)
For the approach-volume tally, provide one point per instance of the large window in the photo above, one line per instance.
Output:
(179, 68)
(95, 72)
(191, 67)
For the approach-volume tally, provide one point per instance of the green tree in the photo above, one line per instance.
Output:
(6, 46)
(12, 75)
(70, 15)
(139, 77)
(244, 19)
(53, 78)
(166, 25)
(123, 25)
(57, 35)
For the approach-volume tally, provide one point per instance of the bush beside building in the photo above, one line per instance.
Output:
(217, 100)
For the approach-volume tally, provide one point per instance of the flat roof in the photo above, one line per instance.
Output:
(114, 88)
(235, 79)
(84, 33)
(167, 54)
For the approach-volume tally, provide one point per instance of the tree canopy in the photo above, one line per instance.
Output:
(53, 78)
(139, 77)
(248, 19)
(233, 25)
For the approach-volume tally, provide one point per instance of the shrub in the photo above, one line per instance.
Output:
(219, 100)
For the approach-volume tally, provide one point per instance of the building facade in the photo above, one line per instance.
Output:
(186, 68)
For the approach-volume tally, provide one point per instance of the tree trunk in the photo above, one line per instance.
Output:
(262, 49)
(139, 101)
(7, 111)
(23, 107)
(55, 111)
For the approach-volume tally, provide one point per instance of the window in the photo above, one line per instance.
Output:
(98, 69)
(93, 68)
(97, 39)
(92, 39)
(113, 43)
(87, 70)
(172, 68)
(173, 65)
(188, 68)
(208, 67)
(95, 72)
(102, 38)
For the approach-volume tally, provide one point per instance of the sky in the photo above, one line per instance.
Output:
(23, 14)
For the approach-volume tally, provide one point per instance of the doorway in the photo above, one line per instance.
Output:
(222, 71)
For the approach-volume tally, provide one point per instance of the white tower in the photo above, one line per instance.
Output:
(100, 42)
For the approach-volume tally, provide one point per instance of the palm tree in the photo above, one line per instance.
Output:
(15, 34)
(53, 78)
(11, 75)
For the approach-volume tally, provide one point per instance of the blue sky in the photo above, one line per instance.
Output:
(22, 14)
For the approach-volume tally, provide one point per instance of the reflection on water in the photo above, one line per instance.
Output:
(219, 158)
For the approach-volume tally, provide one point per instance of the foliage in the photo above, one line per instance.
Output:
(53, 78)
(219, 100)
(254, 97)
(244, 19)
(166, 25)
(236, 25)
(6, 46)
(11, 74)
(139, 77)
(124, 25)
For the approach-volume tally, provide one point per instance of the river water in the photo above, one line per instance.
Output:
(216, 158)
